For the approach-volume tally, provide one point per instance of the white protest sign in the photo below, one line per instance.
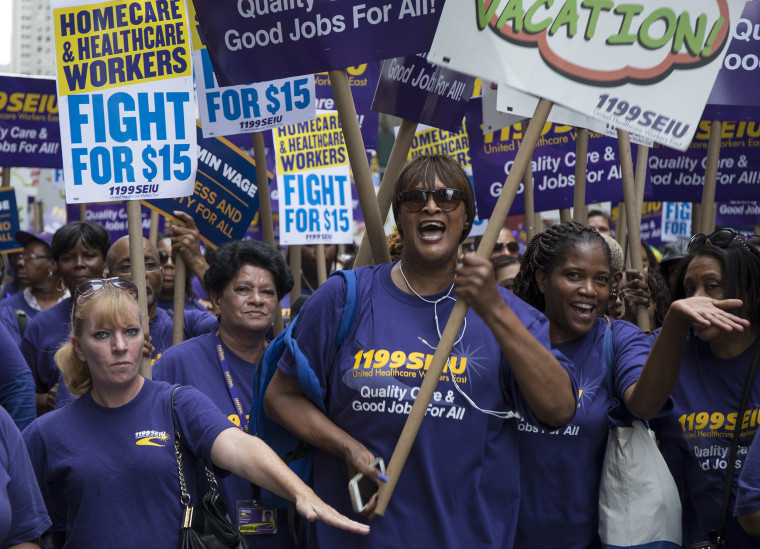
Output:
(646, 67)
(676, 221)
(314, 182)
(509, 99)
(493, 118)
(126, 104)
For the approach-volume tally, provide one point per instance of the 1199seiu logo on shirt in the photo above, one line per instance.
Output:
(151, 438)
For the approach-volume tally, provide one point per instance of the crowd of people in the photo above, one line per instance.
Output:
(511, 449)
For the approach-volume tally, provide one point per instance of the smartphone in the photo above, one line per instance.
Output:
(361, 488)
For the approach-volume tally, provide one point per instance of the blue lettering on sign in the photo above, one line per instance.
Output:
(316, 190)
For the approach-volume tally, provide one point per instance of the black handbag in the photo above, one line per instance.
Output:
(205, 526)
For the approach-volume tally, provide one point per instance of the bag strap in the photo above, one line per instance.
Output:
(609, 359)
(185, 499)
(735, 443)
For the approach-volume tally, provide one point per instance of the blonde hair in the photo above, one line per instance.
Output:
(616, 253)
(108, 305)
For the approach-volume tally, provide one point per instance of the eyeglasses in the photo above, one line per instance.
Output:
(86, 289)
(125, 269)
(27, 257)
(512, 247)
(164, 258)
(415, 199)
(720, 239)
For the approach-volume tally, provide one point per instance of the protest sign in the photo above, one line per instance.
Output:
(679, 176)
(225, 199)
(413, 89)
(626, 64)
(493, 118)
(734, 95)
(362, 79)
(125, 95)
(251, 107)
(553, 165)
(251, 41)
(112, 216)
(313, 180)
(29, 134)
(651, 222)
(738, 213)
(675, 221)
(9, 225)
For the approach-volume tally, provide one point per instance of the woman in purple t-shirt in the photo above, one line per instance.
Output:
(714, 351)
(106, 461)
(566, 273)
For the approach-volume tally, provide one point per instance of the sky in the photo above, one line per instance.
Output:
(6, 22)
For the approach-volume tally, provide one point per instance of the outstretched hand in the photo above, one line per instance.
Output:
(312, 508)
(704, 311)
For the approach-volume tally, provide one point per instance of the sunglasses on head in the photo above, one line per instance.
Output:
(512, 247)
(415, 199)
(86, 289)
(719, 239)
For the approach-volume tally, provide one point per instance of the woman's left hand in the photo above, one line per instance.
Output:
(702, 311)
(312, 508)
(475, 283)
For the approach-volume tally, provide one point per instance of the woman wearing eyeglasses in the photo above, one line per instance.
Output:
(37, 266)
(79, 248)
(245, 280)
(711, 330)
(106, 461)
(465, 457)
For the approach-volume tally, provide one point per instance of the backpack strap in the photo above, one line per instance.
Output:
(22, 319)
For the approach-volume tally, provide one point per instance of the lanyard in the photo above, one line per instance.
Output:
(230, 385)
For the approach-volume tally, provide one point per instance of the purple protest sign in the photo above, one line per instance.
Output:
(113, 217)
(734, 95)
(252, 41)
(651, 222)
(9, 224)
(679, 176)
(553, 165)
(362, 80)
(416, 90)
(739, 213)
(29, 132)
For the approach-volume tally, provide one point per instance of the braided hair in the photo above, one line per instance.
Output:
(548, 249)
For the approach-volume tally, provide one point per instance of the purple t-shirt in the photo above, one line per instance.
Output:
(112, 472)
(17, 301)
(195, 362)
(22, 511)
(43, 337)
(460, 486)
(748, 493)
(562, 469)
(706, 401)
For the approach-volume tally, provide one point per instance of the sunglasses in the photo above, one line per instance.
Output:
(512, 247)
(719, 239)
(415, 199)
(86, 289)
(163, 258)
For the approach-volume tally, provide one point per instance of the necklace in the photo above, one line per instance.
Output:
(435, 307)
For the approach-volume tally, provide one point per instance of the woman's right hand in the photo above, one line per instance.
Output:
(359, 460)
(700, 311)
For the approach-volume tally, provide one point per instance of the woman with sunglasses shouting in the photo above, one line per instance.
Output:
(711, 330)
(465, 456)
(106, 462)
(79, 248)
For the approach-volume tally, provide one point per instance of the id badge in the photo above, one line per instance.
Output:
(252, 518)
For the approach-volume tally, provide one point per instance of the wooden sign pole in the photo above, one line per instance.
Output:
(137, 262)
(396, 162)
